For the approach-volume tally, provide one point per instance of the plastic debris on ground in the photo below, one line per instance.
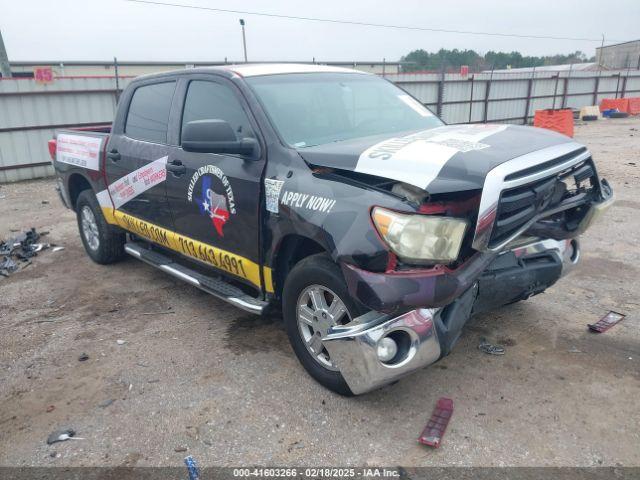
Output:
(20, 248)
(192, 468)
(606, 322)
(489, 348)
(437, 425)
(62, 436)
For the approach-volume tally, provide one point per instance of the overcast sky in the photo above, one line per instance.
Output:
(102, 29)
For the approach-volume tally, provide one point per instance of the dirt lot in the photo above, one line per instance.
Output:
(200, 375)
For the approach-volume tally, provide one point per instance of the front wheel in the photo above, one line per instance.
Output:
(104, 243)
(315, 298)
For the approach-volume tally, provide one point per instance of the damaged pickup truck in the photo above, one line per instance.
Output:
(336, 197)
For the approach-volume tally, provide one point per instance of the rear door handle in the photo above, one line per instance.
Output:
(113, 155)
(176, 167)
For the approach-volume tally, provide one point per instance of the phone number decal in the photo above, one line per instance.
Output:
(229, 262)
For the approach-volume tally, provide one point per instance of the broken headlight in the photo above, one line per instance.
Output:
(418, 238)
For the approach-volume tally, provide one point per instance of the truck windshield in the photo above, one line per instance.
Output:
(319, 108)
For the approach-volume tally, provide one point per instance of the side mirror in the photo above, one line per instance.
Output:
(216, 136)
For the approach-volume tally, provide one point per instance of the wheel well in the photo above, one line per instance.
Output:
(292, 249)
(77, 183)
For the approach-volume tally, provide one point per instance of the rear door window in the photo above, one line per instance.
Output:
(148, 115)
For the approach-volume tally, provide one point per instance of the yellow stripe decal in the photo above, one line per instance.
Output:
(268, 280)
(221, 259)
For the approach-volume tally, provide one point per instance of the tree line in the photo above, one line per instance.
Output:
(419, 60)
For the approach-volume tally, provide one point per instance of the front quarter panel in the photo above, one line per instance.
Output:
(319, 205)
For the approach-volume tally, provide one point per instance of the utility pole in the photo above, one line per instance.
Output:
(5, 68)
(244, 40)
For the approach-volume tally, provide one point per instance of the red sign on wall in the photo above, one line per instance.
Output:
(43, 74)
(464, 70)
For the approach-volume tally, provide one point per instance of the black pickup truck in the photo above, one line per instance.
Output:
(333, 196)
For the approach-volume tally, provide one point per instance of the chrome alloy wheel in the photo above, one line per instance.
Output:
(318, 310)
(90, 228)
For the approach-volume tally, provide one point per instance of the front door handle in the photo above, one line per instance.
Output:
(113, 155)
(176, 167)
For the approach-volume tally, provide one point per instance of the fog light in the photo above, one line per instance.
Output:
(387, 349)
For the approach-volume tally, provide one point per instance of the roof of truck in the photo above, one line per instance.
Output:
(255, 69)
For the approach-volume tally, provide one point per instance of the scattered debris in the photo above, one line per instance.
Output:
(574, 350)
(606, 322)
(53, 454)
(7, 266)
(153, 380)
(489, 348)
(121, 342)
(51, 408)
(62, 435)
(57, 249)
(159, 313)
(180, 449)
(83, 357)
(192, 468)
(434, 431)
(21, 247)
(106, 403)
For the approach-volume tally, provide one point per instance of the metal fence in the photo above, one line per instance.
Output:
(514, 97)
(30, 112)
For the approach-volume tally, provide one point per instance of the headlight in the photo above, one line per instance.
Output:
(417, 238)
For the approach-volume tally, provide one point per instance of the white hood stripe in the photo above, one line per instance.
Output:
(418, 158)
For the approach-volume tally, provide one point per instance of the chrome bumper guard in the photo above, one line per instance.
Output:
(353, 347)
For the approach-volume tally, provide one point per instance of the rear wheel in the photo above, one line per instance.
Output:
(104, 243)
(315, 298)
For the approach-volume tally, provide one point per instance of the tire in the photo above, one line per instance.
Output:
(590, 118)
(618, 115)
(103, 243)
(310, 273)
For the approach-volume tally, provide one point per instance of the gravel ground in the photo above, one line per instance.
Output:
(196, 376)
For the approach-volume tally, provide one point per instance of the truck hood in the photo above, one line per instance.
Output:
(440, 160)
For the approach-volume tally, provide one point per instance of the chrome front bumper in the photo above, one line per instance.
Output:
(353, 347)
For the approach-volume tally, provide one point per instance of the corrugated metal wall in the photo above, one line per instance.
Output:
(514, 97)
(29, 112)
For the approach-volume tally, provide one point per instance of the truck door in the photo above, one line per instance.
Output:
(138, 150)
(215, 198)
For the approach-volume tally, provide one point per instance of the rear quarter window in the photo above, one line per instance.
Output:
(148, 115)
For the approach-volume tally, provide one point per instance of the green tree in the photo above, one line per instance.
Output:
(420, 60)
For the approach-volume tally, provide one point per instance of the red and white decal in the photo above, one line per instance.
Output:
(137, 182)
(80, 150)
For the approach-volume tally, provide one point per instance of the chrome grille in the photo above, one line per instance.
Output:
(519, 191)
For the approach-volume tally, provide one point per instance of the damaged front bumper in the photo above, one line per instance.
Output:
(424, 335)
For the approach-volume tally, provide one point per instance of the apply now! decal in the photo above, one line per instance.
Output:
(307, 201)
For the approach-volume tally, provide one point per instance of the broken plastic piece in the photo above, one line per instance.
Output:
(489, 348)
(606, 322)
(192, 468)
(61, 435)
(434, 431)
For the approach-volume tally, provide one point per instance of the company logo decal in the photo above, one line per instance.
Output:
(215, 196)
